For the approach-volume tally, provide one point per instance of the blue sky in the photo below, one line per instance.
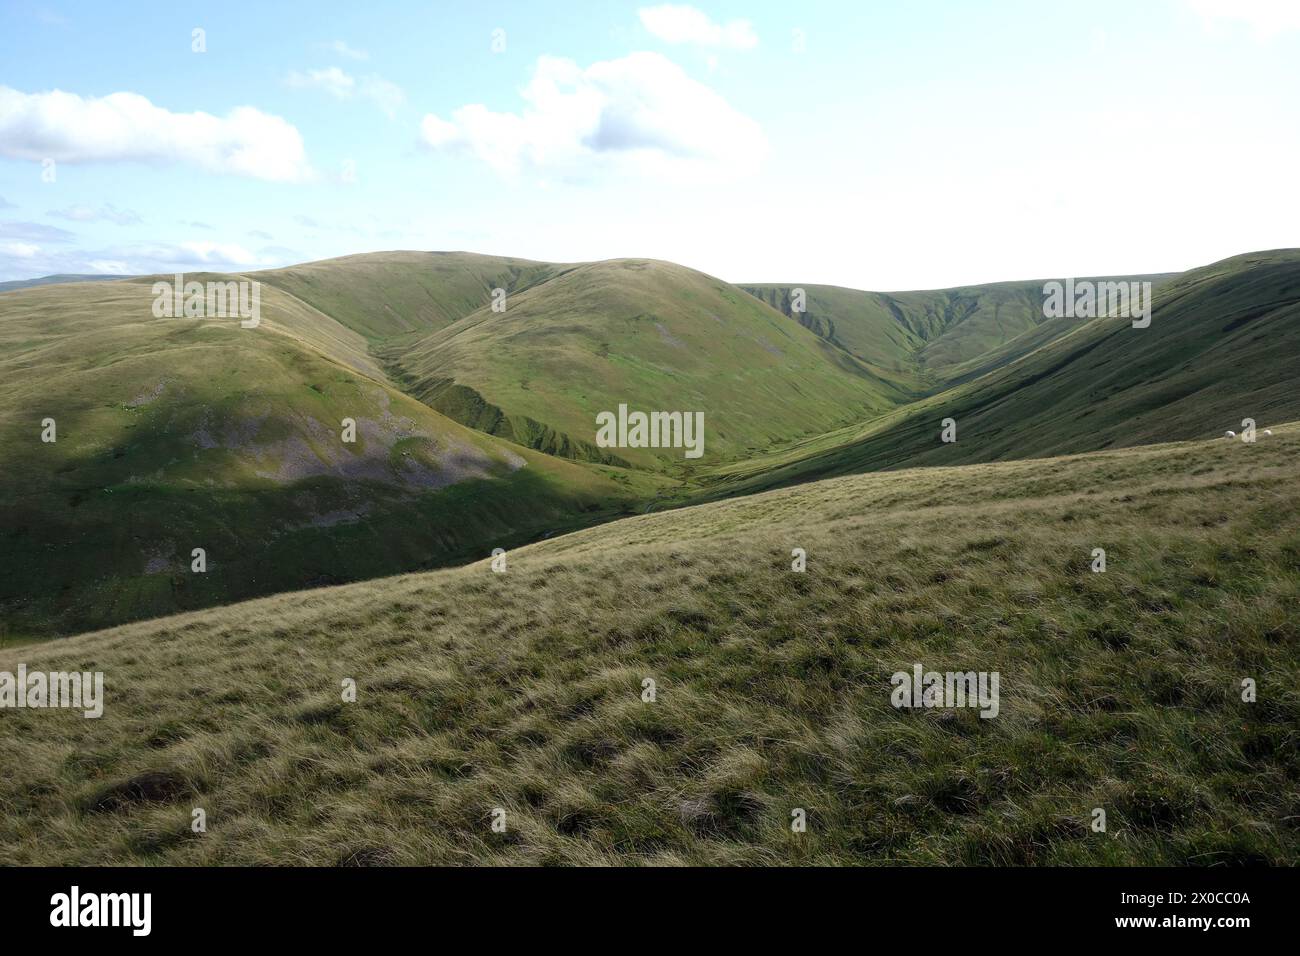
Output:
(872, 145)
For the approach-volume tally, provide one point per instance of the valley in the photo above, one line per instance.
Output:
(477, 428)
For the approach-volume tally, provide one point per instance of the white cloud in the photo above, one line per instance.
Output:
(144, 258)
(341, 85)
(22, 250)
(1267, 18)
(5, 204)
(26, 259)
(640, 113)
(34, 231)
(332, 80)
(107, 212)
(126, 127)
(226, 253)
(342, 49)
(109, 267)
(675, 23)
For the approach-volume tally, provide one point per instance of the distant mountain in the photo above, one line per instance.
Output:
(1223, 345)
(54, 280)
(944, 336)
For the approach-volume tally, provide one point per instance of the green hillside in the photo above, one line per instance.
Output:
(859, 322)
(384, 295)
(941, 337)
(175, 434)
(1223, 345)
(651, 335)
(523, 691)
(476, 428)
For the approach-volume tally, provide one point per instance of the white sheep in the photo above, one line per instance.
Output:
(1230, 434)
(1268, 431)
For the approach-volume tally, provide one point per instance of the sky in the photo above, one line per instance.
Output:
(865, 144)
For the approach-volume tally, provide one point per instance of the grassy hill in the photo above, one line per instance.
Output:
(1223, 345)
(652, 335)
(383, 296)
(13, 284)
(175, 434)
(941, 337)
(476, 428)
(523, 691)
(181, 434)
(862, 323)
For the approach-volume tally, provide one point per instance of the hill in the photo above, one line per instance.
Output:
(1223, 345)
(13, 284)
(942, 337)
(477, 427)
(386, 295)
(176, 434)
(523, 691)
(651, 335)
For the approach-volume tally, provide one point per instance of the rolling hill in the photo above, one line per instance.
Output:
(648, 334)
(181, 434)
(384, 296)
(476, 427)
(176, 434)
(941, 337)
(1223, 345)
(524, 692)
(13, 284)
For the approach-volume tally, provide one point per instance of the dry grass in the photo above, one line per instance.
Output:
(523, 690)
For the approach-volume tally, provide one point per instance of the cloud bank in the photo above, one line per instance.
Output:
(640, 113)
(126, 127)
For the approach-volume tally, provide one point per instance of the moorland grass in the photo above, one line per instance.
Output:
(523, 690)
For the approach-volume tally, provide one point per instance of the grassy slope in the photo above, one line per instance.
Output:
(1223, 345)
(860, 322)
(476, 690)
(176, 434)
(384, 295)
(655, 336)
(940, 337)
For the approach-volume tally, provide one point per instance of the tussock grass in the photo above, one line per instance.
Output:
(523, 690)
